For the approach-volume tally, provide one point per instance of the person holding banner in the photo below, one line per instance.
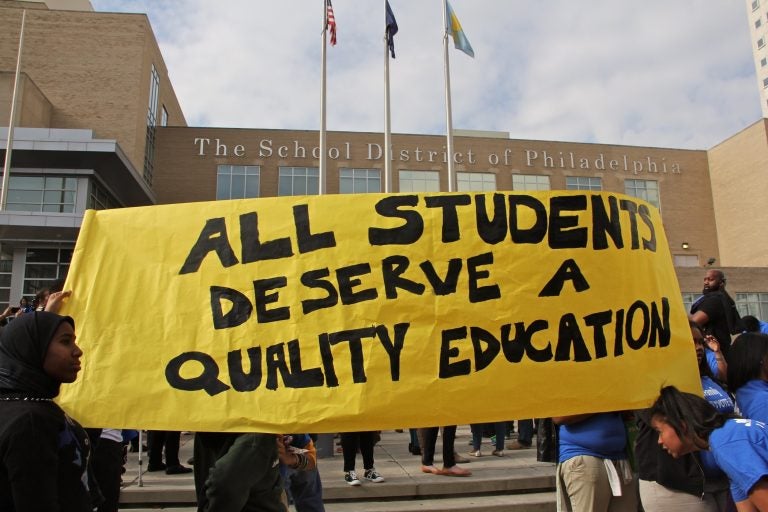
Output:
(429, 435)
(350, 443)
(44, 454)
(687, 423)
(593, 472)
(238, 472)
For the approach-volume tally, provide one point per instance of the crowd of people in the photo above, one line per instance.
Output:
(685, 452)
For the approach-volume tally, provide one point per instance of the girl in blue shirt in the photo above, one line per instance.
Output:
(748, 375)
(687, 423)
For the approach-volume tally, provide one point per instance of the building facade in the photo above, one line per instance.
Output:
(757, 13)
(92, 92)
(99, 126)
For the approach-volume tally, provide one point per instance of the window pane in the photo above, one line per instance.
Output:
(54, 182)
(53, 197)
(37, 271)
(419, 181)
(238, 185)
(284, 186)
(346, 185)
(252, 186)
(25, 182)
(475, 181)
(25, 196)
(42, 255)
(222, 186)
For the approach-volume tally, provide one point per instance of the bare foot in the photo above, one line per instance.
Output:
(455, 471)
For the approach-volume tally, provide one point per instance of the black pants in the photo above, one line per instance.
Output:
(350, 442)
(430, 439)
(108, 460)
(156, 440)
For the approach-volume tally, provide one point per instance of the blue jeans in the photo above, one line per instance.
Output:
(304, 489)
(499, 429)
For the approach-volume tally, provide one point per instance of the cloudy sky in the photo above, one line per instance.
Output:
(654, 73)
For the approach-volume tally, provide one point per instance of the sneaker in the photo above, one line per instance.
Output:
(497, 453)
(372, 476)
(351, 478)
(476, 453)
(459, 459)
(517, 445)
(177, 470)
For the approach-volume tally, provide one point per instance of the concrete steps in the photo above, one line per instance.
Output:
(513, 482)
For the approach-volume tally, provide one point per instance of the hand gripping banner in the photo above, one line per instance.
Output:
(374, 311)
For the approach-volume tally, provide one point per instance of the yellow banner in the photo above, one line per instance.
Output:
(375, 311)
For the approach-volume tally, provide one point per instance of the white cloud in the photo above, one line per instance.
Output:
(657, 73)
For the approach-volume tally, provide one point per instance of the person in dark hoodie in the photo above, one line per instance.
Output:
(44, 453)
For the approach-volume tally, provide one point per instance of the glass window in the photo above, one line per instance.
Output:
(763, 62)
(99, 198)
(149, 150)
(53, 194)
(475, 181)
(6, 269)
(765, 82)
(647, 190)
(583, 183)
(357, 181)
(298, 181)
(419, 181)
(163, 117)
(755, 304)
(237, 181)
(530, 182)
(761, 42)
(686, 260)
(689, 298)
(755, 4)
(43, 268)
(758, 22)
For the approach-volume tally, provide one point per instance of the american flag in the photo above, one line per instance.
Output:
(330, 22)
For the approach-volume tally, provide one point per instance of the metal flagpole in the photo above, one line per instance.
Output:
(448, 120)
(321, 185)
(387, 119)
(141, 461)
(12, 122)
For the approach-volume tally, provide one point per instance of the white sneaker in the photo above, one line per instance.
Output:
(372, 476)
(351, 478)
(476, 453)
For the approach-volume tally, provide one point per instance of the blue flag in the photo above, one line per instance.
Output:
(460, 40)
(391, 29)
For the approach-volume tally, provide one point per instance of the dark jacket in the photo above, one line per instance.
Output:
(237, 473)
(654, 464)
(43, 459)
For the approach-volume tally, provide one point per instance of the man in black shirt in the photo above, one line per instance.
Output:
(715, 312)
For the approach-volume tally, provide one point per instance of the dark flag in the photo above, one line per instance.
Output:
(391, 29)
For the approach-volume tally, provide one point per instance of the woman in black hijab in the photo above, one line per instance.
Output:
(43, 453)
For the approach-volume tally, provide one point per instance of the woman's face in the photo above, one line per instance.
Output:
(62, 361)
(669, 440)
